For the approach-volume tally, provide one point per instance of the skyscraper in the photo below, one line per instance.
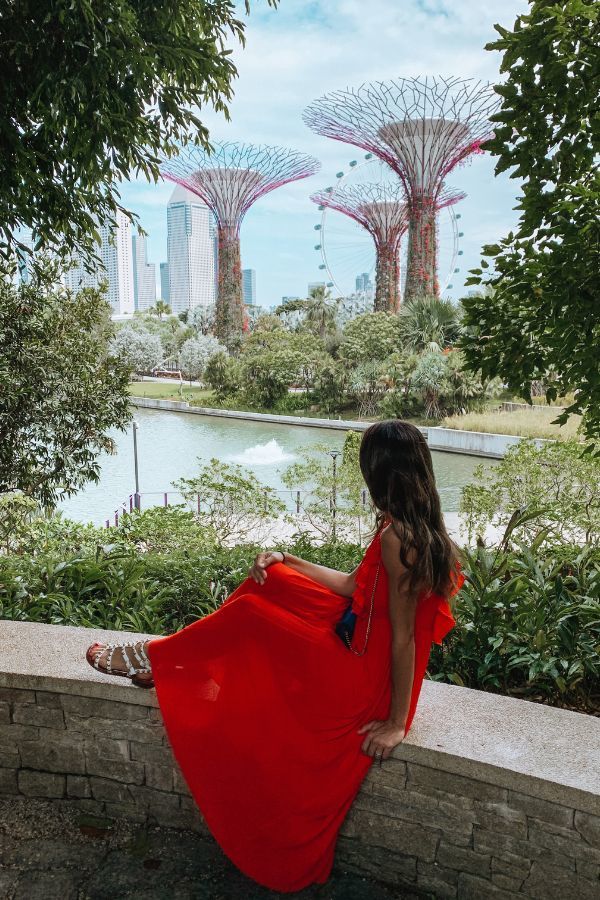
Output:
(249, 286)
(363, 282)
(164, 282)
(144, 274)
(191, 252)
(115, 253)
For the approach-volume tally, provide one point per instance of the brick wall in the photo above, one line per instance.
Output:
(411, 824)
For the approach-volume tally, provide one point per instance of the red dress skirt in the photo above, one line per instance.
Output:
(262, 701)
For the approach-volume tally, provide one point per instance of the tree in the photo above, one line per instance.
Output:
(92, 92)
(138, 350)
(63, 390)
(545, 316)
(430, 382)
(202, 318)
(160, 309)
(428, 321)
(195, 354)
(224, 375)
(320, 311)
(371, 336)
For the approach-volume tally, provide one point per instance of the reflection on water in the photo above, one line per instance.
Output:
(174, 445)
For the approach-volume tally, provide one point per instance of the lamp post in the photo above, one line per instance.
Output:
(136, 496)
(334, 455)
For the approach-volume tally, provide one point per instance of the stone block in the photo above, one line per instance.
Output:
(512, 866)
(588, 870)
(426, 780)
(505, 846)
(53, 755)
(391, 777)
(197, 821)
(154, 715)
(9, 757)
(386, 865)
(12, 735)
(562, 840)
(110, 791)
(4, 713)
(179, 782)
(48, 700)
(110, 749)
(544, 810)
(473, 887)
(8, 781)
(151, 753)
(16, 695)
(500, 817)
(437, 880)
(114, 769)
(78, 786)
(463, 859)
(40, 716)
(140, 730)
(588, 827)
(420, 809)
(403, 837)
(506, 882)
(549, 882)
(159, 777)
(41, 784)
(103, 709)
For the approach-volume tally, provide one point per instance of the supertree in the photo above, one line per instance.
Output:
(422, 128)
(229, 180)
(381, 209)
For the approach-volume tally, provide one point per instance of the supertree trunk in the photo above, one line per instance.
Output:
(387, 286)
(230, 301)
(421, 263)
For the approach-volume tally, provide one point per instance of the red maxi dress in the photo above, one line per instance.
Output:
(262, 701)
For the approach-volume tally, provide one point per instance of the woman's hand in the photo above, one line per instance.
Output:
(261, 563)
(382, 737)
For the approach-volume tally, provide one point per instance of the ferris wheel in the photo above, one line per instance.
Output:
(346, 250)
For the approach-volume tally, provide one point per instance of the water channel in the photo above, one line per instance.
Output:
(173, 445)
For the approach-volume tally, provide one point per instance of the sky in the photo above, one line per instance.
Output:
(305, 49)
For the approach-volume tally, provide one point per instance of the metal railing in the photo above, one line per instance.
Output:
(149, 499)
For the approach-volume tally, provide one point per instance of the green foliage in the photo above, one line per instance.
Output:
(93, 92)
(557, 482)
(62, 390)
(16, 514)
(370, 336)
(544, 316)
(429, 323)
(430, 381)
(224, 375)
(195, 354)
(137, 349)
(164, 529)
(528, 625)
(232, 502)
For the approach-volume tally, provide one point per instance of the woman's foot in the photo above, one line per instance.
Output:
(128, 659)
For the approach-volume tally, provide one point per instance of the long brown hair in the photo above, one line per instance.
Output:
(396, 465)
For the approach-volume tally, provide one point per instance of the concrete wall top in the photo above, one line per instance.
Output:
(540, 750)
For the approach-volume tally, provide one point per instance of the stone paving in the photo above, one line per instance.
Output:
(48, 853)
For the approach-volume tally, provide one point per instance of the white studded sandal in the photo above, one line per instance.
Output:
(131, 655)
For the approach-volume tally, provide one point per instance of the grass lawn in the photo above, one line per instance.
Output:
(523, 423)
(161, 390)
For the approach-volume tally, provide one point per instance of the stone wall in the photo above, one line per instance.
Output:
(488, 796)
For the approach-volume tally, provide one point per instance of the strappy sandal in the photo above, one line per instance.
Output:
(137, 673)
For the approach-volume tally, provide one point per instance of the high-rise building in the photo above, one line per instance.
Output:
(144, 274)
(164, 282)
(363, 283)
(191, 251)
(249, 286)
(115, 253)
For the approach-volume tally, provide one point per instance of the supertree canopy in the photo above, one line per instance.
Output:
(382, 211)
(229, 180)
(423, 128)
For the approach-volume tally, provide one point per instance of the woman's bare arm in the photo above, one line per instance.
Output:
(402, 609)
(339, 582)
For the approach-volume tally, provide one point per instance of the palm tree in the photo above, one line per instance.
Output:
(161, 309)
(321, 311)
(429, 323)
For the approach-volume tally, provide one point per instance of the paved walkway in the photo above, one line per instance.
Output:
(52, 854)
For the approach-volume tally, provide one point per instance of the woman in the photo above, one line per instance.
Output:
(273, 720)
